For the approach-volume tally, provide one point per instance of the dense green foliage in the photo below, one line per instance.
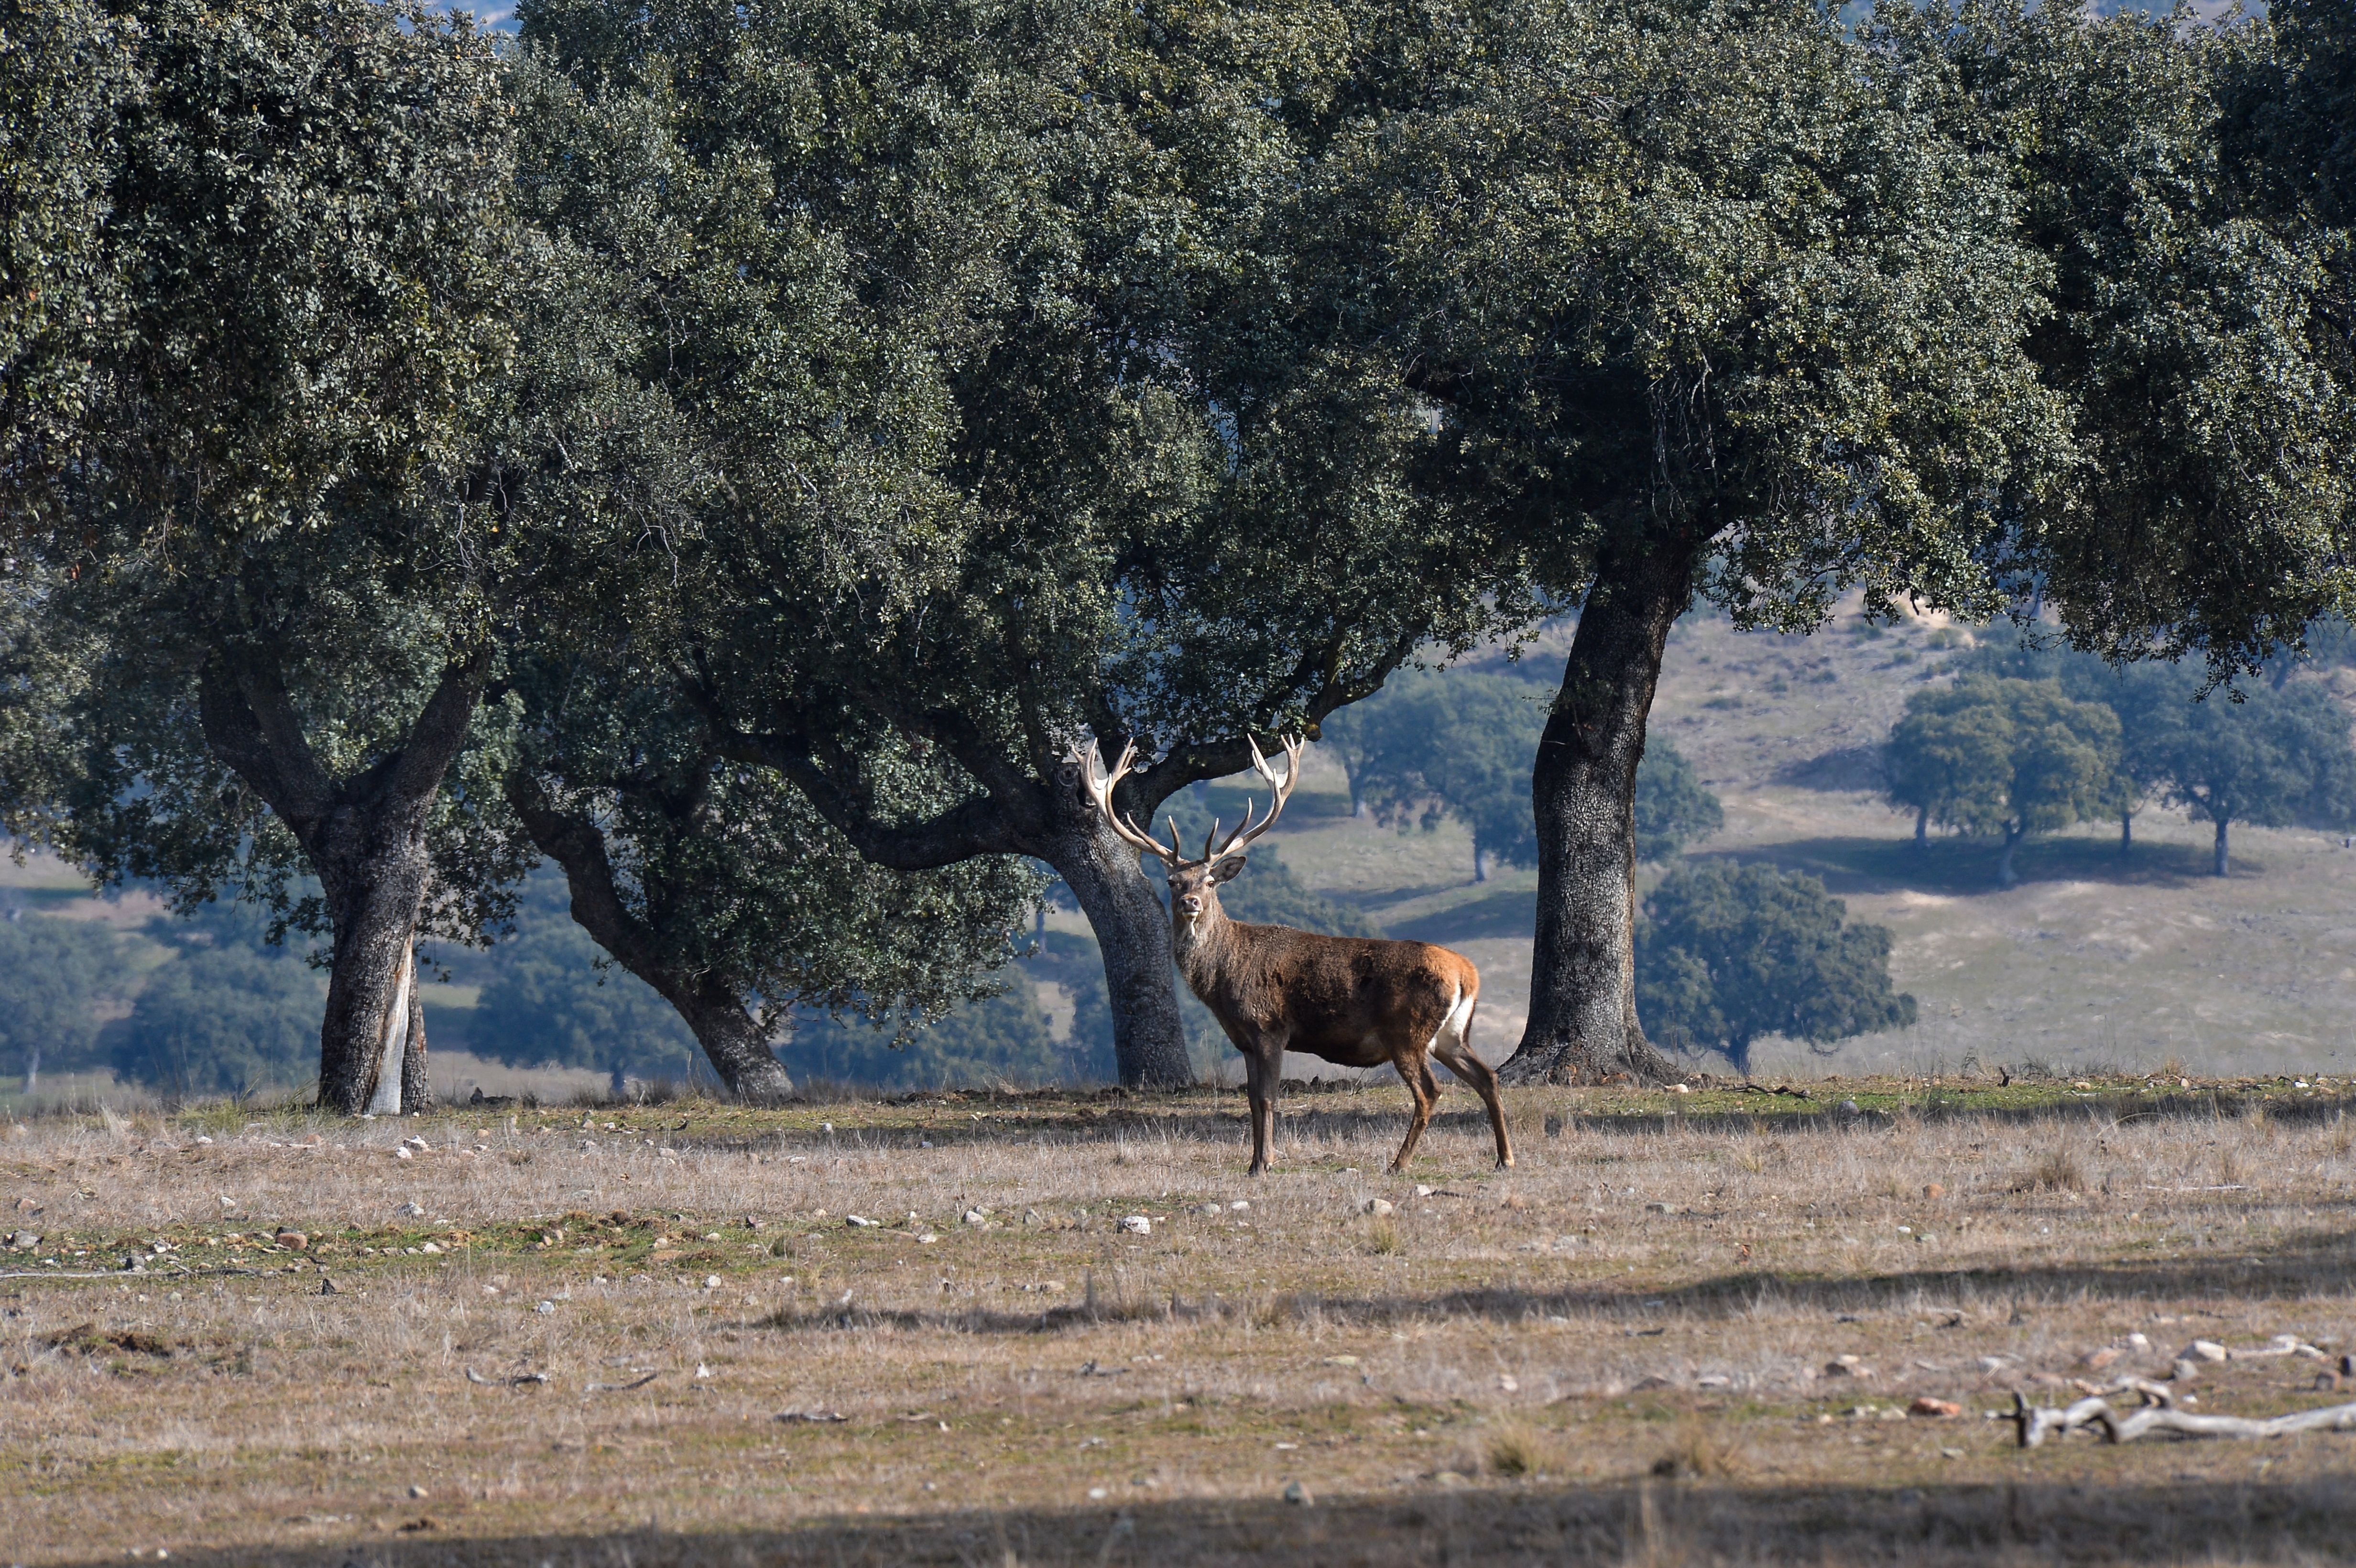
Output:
(2276, 757)
(228, 1015)
(52, 973)
(2005, 757)
(735, 450)
(1728, 953)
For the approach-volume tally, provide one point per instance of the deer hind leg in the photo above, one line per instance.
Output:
(1416, 1073)
(1452, 1046)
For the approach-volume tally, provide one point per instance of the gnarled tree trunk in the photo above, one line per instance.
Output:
(365, 839)
(1132, 932)
(732, 1038)
(1582, 1025)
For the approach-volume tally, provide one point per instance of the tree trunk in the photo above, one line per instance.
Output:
(365, 839)
(731, 1034)
(2004, 873)
(373, 868)
(32, 1070)
(2126, 832)
(2222, 823)
(1582, 1025)
(1480, 864)
(1132, 932)
(1921, 828)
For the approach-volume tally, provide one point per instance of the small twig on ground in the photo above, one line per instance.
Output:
(519, 1381)
(623, 1388)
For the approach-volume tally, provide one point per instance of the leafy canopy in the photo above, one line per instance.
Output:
(2003, 756)
(1728, 953)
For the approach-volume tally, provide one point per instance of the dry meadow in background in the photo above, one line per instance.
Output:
(1685, 1330)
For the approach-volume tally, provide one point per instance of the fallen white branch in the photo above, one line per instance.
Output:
(2035, 1425)
(519, 1381)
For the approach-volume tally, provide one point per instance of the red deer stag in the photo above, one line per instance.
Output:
(1356, 1001)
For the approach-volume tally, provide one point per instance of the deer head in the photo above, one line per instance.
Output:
(1192, 880)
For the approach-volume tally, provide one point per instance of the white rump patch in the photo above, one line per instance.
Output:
(1456, 1020)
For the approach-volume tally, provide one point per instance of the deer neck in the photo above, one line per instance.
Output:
(1199, 942)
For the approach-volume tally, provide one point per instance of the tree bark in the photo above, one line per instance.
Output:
(1582, 1025)
(730, 1033)
(2126, 832)
(365, 839)
(1480, 864)
(1921, 828)
(2004, 872)
(2222, 823)
(1132, 932)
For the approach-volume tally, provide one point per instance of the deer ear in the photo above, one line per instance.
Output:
(1224, 871)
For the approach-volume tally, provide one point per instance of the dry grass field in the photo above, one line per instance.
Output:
(653, 1335)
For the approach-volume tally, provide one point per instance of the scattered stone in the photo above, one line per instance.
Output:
(1378, 1206)
(812, 1416)
(2184, 1371)
(1239, 1205)
(2095, 1360)
(25, 1241)
(1508, 1383)
(1210, 1211)
(418, 1492)
(1422, 1191)
(976, 1217)
(1940, 1409)
(1680, 1089)
(545, 1307)
(2205, 1351)
(861, 1221)
(1992, 1364)
(1935, 1192)
(1341, 1360)
(327, 1287)
(294, 1240)
(408, 1211)
(1660, 1208)
(1554, 1127)
(1848, 1108)
(1847, 1367)
(402, 1153)
(1646, 1384)
(1137, 1224)
(431, 1247)
(2139, 1342)
(1297, 1494)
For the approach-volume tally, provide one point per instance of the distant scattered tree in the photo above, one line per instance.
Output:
(52, 974)
(1674, 807)
(1727, 954)
(2003, 757)
(1455, 744)
(2279, 755)
(229, 1014)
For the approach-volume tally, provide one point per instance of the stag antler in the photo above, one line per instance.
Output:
(1241, 838)
(1101, 787)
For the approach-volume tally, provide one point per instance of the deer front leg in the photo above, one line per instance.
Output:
(1261, 1092)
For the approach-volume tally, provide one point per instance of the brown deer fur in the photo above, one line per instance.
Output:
(1353, 1001)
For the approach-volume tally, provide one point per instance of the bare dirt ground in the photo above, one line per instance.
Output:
(1628, 1349)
